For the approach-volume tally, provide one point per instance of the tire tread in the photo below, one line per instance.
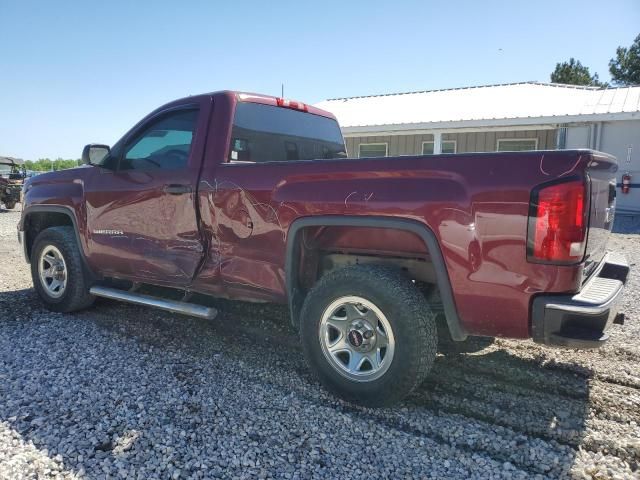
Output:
(77, 296)
(422, 343)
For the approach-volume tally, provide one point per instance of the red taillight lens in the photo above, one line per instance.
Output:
(558, 223)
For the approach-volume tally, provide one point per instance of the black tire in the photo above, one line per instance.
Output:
(10, 205)
(407, 312)
(76, 295)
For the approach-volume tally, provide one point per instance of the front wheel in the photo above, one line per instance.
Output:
(368, 333)
(58, 272)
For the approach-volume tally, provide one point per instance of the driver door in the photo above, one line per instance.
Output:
(141, 212)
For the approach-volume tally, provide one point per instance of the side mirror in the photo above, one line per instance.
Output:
(94, 153)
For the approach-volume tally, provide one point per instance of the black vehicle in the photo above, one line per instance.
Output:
(12, 176)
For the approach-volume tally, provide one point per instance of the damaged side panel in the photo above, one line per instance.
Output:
(480, 225)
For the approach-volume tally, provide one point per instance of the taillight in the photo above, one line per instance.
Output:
(283, 102)
(558, 223)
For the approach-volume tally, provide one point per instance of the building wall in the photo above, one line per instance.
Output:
(617, 138)
(397, 144)
(465, 142)
(488, 141)
(578, 136)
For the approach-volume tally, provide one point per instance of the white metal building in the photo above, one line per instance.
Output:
(517, 116)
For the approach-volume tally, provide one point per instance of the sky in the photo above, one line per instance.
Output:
(78, 72)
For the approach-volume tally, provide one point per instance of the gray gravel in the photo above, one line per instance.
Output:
(127, 392)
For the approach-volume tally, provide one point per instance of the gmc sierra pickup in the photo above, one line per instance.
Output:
(252, 197)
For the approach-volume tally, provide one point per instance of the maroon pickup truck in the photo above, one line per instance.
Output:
(252, 197)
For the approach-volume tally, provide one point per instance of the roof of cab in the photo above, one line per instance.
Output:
(253, 98)
(270, 100)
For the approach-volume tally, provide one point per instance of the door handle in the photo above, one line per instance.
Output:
(175, 189)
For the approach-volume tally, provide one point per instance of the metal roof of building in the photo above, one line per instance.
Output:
(505, 104)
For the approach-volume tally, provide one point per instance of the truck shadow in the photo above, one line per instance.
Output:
(494, 401)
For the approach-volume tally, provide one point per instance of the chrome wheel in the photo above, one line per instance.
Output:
(356, 338)
(52, 270)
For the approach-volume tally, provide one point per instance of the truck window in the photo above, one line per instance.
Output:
(266, 133)
(165, 143)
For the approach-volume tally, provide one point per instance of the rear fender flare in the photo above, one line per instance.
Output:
(295, 293)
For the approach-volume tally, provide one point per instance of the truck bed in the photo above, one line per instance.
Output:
(477, 205)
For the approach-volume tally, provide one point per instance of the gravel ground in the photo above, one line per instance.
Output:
(126, 392)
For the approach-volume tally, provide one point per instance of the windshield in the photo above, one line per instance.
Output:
(8, 169)
(265, 133)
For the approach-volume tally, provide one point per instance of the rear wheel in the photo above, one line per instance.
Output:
(10, 205)
(368, 333)
(57, 270)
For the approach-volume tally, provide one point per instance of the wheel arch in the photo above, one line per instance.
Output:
(296, 293)
(36, 218)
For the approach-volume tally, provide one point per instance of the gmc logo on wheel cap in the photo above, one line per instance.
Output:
(355, 338)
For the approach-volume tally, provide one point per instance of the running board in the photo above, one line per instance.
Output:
(184, 308)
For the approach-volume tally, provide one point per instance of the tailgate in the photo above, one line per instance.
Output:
(602, 174)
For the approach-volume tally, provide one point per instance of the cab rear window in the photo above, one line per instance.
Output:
(266, 133)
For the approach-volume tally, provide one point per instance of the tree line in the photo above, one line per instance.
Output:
(624, 69)
(46, 164)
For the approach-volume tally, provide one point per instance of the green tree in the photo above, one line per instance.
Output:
(46, 164)
(625, 68)
(574, 73)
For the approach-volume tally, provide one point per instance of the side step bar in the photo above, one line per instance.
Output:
(184, 308)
